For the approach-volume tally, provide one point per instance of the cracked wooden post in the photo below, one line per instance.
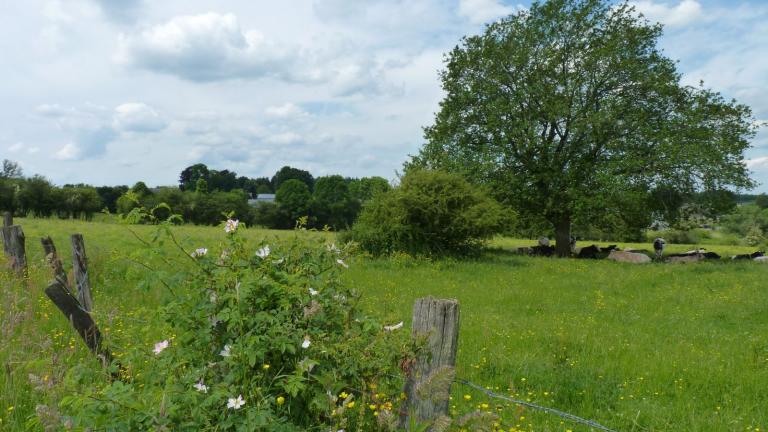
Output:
(80, 272)
(79, 318)
(13, 241)
(438, 321)
(52, 258)
(7, 222)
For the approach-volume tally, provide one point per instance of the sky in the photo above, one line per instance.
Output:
(114, 91)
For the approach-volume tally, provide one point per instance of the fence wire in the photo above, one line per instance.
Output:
(556, 412)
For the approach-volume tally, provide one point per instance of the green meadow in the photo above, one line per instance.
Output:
(657, 347)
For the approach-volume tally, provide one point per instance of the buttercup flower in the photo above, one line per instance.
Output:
(263, 252)
(201, 387)
(280, 400)
(235, 403)
(231, 225)
(160, 346)
(199, 252)
(225, 352)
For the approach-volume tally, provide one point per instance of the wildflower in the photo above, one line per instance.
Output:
(263, 252)
(280, 400)
(467, 397)
(342, 263)
(343, 395)
(199, 252)
(201, 387)
(313, 292)
(351, 404)
(235, 403)
(225, 352)
(160, 346)
(231, 225)
(213, 297)
(394, 326)
(332, 248)
(306, 342)
(265, 366)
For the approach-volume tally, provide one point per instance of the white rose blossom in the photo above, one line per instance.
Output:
(235, 403)
(226, 351)
(263, 252)
(160, 346)
(199, 252)
(231, 225)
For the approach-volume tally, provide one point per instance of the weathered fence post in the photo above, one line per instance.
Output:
(80, 319)
(13, 241)
(437, 321)
(80, 271)
(7, 219)
(52, 258)
(7, 222)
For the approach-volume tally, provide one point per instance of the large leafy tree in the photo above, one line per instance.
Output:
(191, 174)
(569, 108)
(287, 173)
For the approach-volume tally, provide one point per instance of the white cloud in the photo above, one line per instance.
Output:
(207, 47)
(686, 12)
(137, 117)
(285, 110)
(69, 151)
(482, 11)
(285, 138)
(121, 11)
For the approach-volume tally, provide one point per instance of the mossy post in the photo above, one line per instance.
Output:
(436, 322)
(13, 244)
(80, 271)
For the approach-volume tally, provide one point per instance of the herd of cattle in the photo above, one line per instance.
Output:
(637, 256)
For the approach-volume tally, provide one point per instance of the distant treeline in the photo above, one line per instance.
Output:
(203, 197)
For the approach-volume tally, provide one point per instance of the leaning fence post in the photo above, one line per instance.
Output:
(80, 319)
(52, 258)
(13, 240)
(80, 271)
(438, 321)
(7, 222)
(7, 219)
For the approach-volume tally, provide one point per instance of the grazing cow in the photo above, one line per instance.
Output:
(658, 247)
(629, 257)
(543, 241)
(543, 250)
(608, 249)
(525, 251)
(696, 251)
(589, 252)
(685, 258)
(751, 256)
(761, 259)
(711, 255)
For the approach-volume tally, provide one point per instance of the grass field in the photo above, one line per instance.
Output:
(658, 347)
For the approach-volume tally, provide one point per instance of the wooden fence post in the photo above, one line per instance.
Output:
(80, 271)
(80, 319)
(52, 258)
(437, 321)
(7, 222)
(13, 241)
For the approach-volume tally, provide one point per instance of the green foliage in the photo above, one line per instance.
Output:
(294, 199)
(36, 197)
(762, 201)
(287, 173)
(191, 174)
(332, 203)
(262, 337)
(201, 186)
(430, 212)
(568, 107)
(271, 215)
(365, 188)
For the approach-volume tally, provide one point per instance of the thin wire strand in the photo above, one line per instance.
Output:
(556, 412)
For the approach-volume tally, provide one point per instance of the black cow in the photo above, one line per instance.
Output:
(589, 252)
(753, 255)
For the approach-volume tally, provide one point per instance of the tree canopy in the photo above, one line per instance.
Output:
(570, 111)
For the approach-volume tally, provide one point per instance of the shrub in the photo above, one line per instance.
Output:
(430, 213)
(259, 338)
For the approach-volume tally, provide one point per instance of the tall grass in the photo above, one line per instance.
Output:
(646, 348)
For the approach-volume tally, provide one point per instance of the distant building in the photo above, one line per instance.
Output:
(262, 198)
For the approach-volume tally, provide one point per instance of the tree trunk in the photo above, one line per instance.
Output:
(563, 236)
